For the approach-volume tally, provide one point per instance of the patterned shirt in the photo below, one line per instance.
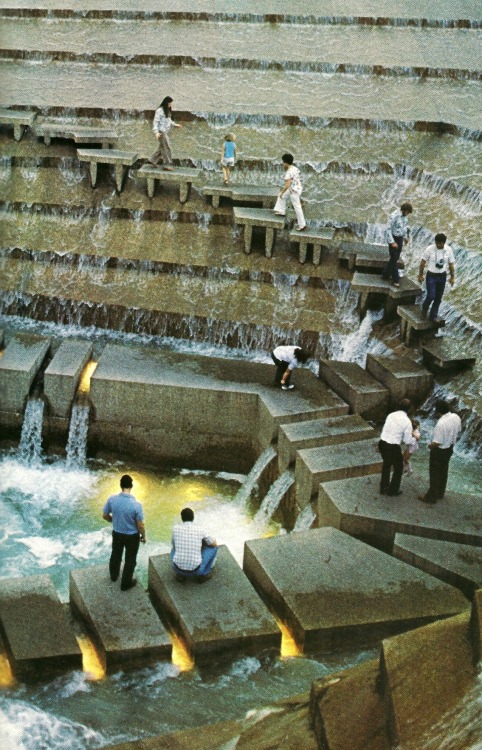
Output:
(293, 174)
(397, 227)
(187, 541)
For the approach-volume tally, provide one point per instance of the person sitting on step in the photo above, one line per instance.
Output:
(193, 551)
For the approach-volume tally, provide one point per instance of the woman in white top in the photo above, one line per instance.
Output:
(292, 187)
(161, 127)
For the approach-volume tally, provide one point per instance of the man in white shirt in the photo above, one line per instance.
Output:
(445, 435)
(439, 258)
(193, 550)
(396, 430)
(396, 234)
(292, 187)
(287, 359)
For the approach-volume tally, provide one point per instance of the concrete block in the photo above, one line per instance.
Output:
(457, 564)
(317, 432)
(476, 625)
(447, 355)
(62, 376)
(330, 462)
(19, 365)
(401, 376)
(124, 624)
(331, 589)
(223, 615)
(35, 627)
(365, 395)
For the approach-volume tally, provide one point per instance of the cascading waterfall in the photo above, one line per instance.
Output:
(244, 493)
(77, 440)
(273, 497)
(305, 519)
(30, 446)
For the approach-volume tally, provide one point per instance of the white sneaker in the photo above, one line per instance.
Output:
(287, 387)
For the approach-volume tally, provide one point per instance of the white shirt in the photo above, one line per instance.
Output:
(397, 429)
(434, 255)
(162, 124)
(293, 174)
(287, 354)
(187, 540)
(447, 430)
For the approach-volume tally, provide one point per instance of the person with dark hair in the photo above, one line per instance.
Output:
(438, 258)
(292, 187)
(161, 127)
(193, 551)
(286, 359)
(397, 234)
(125, 514)
(445, 434)
(396, 430)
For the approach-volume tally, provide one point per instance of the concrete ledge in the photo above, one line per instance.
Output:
(264, 194)
(124, 624)
(20, 119)
(373, 288)
(331, 589)
(317, 432)
(402, 377)
(457, 564)
(351, 251)
(446, 356)
(182, 175)
(365, 395)
(121, 160)
(314, 237)
(223, 615)
(18, 367)
(78, 133)
(258, 217)
(35, 627)
(412, 321)
(62, 376)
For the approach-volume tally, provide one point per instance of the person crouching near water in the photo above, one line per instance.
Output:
(228, 155)
(292, 187)
(161, 127)
(193, 551)
(286, 359)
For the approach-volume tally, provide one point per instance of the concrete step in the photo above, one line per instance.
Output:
(365, 395)
(36, 629)
(447, 355)
(401, 376)
(63, 374)
(330, 588)
(124, 624)
(223, 616)
(19, 365)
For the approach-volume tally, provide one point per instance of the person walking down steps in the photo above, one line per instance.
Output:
(292, 187)
(397, 234)
(228, 156)
(161, 127)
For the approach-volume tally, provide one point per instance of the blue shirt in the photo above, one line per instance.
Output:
(125, 511)
(229, 149)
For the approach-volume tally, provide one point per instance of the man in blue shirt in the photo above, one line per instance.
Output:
(127, 518)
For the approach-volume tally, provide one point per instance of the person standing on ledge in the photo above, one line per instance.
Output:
(292, 187)
(438, 258)
(396, 430)
(396, 234)
(445, 434)
(193, 551)
(228, 155)
(161, 127)
(128, 530)
(286, 359)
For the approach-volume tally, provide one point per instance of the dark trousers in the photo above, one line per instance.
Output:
(439, 472)
(435, 283)
(129, 542)
(392, 459)
(391, 269)
(281, 368)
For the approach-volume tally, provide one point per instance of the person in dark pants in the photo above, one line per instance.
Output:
(396, 430)
(286, 359)
(438, 258)
(441, 448)
(397, 234)
(128, 530)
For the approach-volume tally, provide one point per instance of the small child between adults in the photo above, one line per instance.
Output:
(412, 447)
(228, 155)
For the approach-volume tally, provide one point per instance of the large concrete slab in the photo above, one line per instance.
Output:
(447, 355)
(19, 365)
(62, 376)
(365, 395)
(35, 627)
(457, 564)
(330, 588)
(401, 376)
(317, 432)
(124, 624)
(225, 614)
(330, 462)
(356, 507)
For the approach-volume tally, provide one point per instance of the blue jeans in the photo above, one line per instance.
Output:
(208, 555)
(435, 283)
(391, 269)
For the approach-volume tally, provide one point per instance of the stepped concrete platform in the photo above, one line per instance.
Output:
(75, 132)
(359, 253)
(425, 674)
(413, 321)
(121, 160)
(182, 175)
(372, 288)
(222, 616)
(317, 432)
(35, 627)
(314, 237)
(348, 711)
(476, 625)
(19, 118)
(19, 365)
(124, 624)
(331, 589)
(258, 217)
(457, 564)
(365, 395)
(63, 374)
(356, 507)
(401, 376)
(330, 462)
(446, 355)
(264, 194)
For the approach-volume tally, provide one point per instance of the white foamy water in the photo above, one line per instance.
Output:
(252, 478)
(30, 447)
(273, 497)
(305, 519)
(77, 440)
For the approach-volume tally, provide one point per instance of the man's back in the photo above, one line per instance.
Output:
(126, 511)
(187, 540)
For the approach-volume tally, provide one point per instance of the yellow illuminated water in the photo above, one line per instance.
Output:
(84, 385)
(91, 661)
